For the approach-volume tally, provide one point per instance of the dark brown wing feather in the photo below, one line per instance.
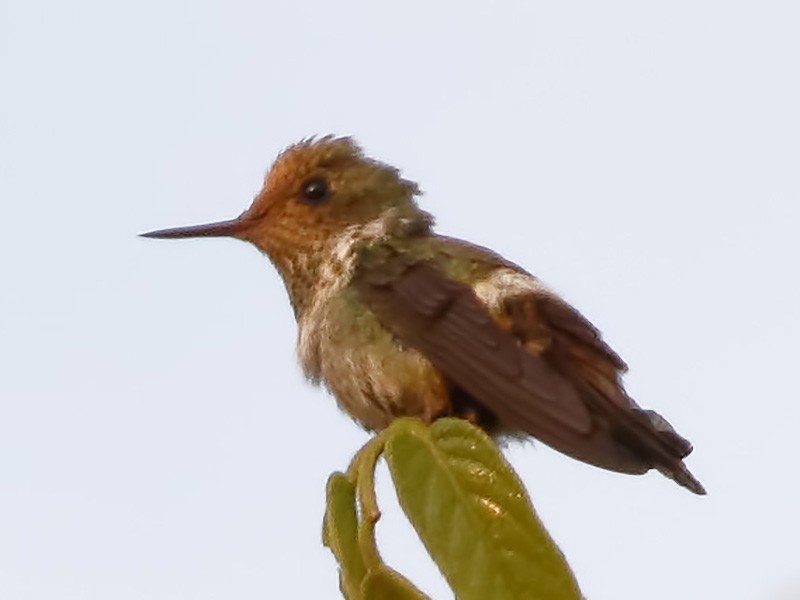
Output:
(573, 347)
(550, 375)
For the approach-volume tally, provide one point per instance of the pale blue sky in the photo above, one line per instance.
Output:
(157, 440)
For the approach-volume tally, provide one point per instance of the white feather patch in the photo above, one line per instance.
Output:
(506, 283)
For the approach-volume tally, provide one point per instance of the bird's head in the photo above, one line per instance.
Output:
(320, 200)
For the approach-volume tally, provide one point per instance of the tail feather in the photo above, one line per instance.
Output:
(682, 476)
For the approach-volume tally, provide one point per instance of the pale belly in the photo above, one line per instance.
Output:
(373, 378)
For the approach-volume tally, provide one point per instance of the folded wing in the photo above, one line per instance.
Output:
(538, 366)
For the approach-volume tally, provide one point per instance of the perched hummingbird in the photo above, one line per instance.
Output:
(396, 320)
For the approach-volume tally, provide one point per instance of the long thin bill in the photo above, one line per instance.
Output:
(219, 229)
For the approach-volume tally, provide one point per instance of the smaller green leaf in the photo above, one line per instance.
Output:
(339, 533)
(386, 584)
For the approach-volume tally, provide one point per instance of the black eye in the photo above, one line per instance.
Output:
(315, 190)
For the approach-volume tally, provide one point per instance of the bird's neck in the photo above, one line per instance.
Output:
(316, 273)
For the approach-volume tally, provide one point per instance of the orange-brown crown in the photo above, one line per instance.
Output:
(359, 187)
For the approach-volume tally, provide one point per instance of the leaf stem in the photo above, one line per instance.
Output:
(361, 473)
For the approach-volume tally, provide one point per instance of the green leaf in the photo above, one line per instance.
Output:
(473, 515)
(386, 584)
(339, 533)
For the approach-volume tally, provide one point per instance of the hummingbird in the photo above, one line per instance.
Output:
(396, 320)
